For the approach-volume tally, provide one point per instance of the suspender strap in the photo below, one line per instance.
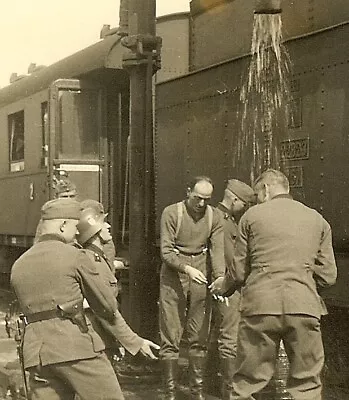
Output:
(180, 206)
(210, 219)
(179, 217)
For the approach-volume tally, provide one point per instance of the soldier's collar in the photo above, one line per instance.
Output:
(51, 236)
(95, 249)
(283, 196)
(226, 211)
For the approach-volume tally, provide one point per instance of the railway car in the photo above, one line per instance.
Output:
(199, 119)
(72, 118)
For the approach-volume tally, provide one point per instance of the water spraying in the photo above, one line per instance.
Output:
(265, 94)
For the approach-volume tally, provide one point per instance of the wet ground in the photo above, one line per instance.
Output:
(142, 381)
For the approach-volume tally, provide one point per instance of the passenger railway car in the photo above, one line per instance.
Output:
(72, 118)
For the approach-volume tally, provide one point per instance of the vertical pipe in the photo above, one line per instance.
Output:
(142, 278)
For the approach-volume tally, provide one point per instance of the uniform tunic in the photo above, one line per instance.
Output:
(228, 315)
(61, 358)
(188, 248)
(117, 330)
(283, 253)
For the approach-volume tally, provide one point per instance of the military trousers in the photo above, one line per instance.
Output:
(227, 323)
(90, 379)
(259, 339)
(184, 305)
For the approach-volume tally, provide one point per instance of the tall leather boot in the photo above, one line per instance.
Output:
(169, 378)
(228, 370)
(196, 377)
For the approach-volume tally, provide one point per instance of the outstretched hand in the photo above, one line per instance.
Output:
(195, 275)
(147, 347)
(216, 287)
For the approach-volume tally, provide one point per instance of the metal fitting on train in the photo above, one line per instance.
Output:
(268, 7)
(90, 223)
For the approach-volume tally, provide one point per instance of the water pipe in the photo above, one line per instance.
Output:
(268, 7)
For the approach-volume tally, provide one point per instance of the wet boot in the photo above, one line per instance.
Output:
(228, 370)
(169, 378)
(196, 377)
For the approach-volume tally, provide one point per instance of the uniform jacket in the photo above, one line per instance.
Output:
(283, 252)
(192, 238)
(230, 229)
(54, 273)
(118, 328)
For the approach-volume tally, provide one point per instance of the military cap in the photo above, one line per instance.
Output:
(61, 209)
(94, 204)
(64, 185)
(241, 190)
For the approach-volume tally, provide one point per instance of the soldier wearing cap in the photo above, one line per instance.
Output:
(93, 234)
(283, 256)
(64, 188)
(237, 198)
(63, 354)
(192, 250)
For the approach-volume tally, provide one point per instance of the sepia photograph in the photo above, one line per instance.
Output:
(172, 188)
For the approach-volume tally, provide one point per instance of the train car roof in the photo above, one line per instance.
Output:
(106, 53)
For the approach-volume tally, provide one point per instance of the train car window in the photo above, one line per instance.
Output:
(44, 134)
(79, 124)
(16, 141)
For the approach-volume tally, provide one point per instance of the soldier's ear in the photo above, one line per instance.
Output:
(188, 191)
(61, 228)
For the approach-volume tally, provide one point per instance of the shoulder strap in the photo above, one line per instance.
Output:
(210, 219)
(179, 217)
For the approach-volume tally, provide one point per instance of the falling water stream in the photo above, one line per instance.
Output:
(265, 94)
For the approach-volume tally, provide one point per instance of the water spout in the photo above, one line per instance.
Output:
(268, 7)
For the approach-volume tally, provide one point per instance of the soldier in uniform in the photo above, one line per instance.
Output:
(63, 354)
(283, 256)
(192, 250)
(64, 188)
(237, 198)
(93, 234)
(108, 245)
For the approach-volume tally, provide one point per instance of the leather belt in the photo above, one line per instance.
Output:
(42, 316)
(203, 251)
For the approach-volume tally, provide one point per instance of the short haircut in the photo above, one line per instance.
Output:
(272, 177)
(197, 179)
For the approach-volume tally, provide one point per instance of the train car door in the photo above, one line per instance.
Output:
(77, 137)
